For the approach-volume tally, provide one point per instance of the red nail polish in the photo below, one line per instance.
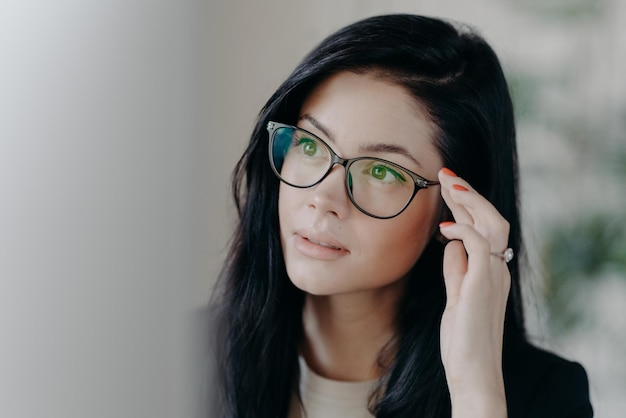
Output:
(459, 187)
(448, 172)
(445, 224)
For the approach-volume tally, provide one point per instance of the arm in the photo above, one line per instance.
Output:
(539, 384)
(477, 288)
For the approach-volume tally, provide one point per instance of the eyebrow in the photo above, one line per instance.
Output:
(318, 126)
(389, 148)
(375, 147)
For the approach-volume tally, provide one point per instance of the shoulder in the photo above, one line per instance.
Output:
(541, 384)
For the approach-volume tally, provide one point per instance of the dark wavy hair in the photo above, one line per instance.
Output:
(456, 75)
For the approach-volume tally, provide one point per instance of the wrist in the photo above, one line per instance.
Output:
(485, 405)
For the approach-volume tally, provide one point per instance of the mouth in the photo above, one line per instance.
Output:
(319, 245)
(323, 244)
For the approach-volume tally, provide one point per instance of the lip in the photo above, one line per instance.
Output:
(319, 245)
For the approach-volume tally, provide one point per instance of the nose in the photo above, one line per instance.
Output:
(330, 196)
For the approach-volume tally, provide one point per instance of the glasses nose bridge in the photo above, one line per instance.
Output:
(338, 160)
(344, 162)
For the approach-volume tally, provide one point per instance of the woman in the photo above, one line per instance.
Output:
(375, 268)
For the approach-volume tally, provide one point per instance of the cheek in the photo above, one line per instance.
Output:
(399, 244)
(285, 201)
(384, 261)
(282, 211)
(397, 248)
(289, 206)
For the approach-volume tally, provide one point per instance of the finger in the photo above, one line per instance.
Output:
(454, 268)
(485, 274)
(475, 245)
(477, 205)
(459, 212)
(486, 218)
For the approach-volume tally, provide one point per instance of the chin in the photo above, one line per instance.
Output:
(333, 286)
(313, 286)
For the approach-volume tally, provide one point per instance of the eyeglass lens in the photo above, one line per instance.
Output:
(377, 187)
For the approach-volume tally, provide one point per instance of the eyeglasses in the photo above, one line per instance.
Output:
(377, 187)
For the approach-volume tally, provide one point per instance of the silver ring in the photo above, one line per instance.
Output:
(507, 255)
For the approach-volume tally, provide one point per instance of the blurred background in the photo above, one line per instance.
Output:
(121, 121)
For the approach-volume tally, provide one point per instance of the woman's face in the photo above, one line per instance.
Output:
(330, 247)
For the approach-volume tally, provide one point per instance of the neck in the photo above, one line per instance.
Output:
(344, 334)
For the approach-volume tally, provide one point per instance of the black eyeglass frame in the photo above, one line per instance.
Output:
(418, 181)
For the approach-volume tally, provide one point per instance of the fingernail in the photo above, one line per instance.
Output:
(448, 172)
(445, 224)
(459, 187)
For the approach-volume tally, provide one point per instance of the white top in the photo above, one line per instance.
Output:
(326, 398)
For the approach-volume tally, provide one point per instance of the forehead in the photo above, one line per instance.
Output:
(361, 109)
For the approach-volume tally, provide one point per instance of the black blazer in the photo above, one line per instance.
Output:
(539, 384)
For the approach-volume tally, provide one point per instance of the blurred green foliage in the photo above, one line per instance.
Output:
(580, 252)
(576, 255)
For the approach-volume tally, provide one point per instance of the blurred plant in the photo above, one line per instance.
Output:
(577, 253)
(574, 257)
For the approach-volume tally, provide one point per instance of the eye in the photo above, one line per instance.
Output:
(379, 172)
(386, 174)
(309, 146)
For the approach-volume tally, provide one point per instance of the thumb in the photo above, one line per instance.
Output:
(454, 268)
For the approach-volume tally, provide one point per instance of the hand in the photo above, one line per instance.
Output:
(477, 287)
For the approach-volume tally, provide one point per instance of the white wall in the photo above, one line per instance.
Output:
(98, 123)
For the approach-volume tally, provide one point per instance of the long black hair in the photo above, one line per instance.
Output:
(456, 75)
